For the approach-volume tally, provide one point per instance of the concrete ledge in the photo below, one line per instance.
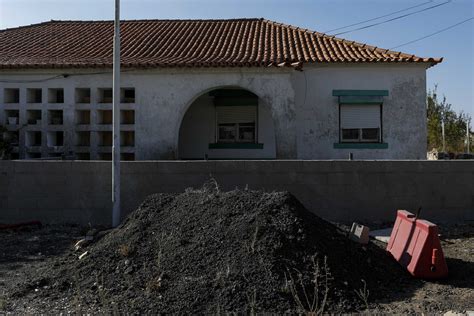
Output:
(361, 145)
(235, 146)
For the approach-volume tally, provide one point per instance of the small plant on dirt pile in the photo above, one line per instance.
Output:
(125, 250)
(210, 188)
(222, 276)
(154, 284)
(312, 302)
(215, 184)
(253, 242)
(103, 299)
(3, 302)
(76, 300)
(252, 298)
(363, 294)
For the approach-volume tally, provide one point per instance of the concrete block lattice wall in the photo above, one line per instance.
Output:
(344, 191)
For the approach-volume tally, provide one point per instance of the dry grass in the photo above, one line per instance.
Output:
(252, 299)
(3, 303)
(311, 301)
(125, 250)
(154, 284)
(251, 246)
(363, 294)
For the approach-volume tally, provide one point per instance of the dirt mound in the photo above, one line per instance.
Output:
(206, 251)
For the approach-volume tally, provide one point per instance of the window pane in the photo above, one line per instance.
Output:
(371, 134)
(227, 132)
(350, 134)
(247, 132)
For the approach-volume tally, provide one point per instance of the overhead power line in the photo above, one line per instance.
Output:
(395, 18)
(379, 17)
(432, 34)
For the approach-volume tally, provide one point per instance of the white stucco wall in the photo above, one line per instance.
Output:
(301, 105)
(403, 114)
(171, 94)
(162, 99)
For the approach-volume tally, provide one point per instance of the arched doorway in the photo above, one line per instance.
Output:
(227, 123)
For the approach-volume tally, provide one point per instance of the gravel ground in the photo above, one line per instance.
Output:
(206, 251)
(456, 293)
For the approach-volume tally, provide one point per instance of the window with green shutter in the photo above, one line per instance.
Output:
(360, 118)
(236, 124)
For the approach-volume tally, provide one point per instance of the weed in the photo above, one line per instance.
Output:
(251, 248)
(307, 302)
(104, 301)
(214, 183)
(363, 294)
(252, 298)
(210, 188)
(267, 266)
(125, 250)
(220, 279)
(3, 302)
(222, 276)
(154, 284)
(218, 309)
(76, 300)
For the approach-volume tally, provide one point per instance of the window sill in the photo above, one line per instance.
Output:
(235, 146)
(360, 145)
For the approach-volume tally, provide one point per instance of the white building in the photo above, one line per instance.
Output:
(216, 89)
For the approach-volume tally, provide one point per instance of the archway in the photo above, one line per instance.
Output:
(227, 123)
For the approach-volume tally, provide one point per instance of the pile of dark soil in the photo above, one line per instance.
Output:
(205, 251)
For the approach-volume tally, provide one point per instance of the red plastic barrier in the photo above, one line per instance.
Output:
(414, 243)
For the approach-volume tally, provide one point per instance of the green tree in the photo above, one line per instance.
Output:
(454, 124)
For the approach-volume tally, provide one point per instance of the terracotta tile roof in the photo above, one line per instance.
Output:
(183, 43)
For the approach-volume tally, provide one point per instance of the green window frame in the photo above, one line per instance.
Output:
(237, 131)
(358, 137)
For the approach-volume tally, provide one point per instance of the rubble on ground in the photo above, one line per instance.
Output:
(207, 251)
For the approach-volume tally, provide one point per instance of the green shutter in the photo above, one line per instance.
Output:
(365, 93)
(235, 101)
(360, 100)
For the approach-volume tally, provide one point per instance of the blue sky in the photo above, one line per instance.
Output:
(455, 76)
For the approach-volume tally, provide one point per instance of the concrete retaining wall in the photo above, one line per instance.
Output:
(344, 191)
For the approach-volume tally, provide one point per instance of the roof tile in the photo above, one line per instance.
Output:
(183, 43)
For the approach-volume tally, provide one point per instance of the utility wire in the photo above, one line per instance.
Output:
(395, 18)
(32, 80)
(432, 34)
(65, 75)
(379, 17)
